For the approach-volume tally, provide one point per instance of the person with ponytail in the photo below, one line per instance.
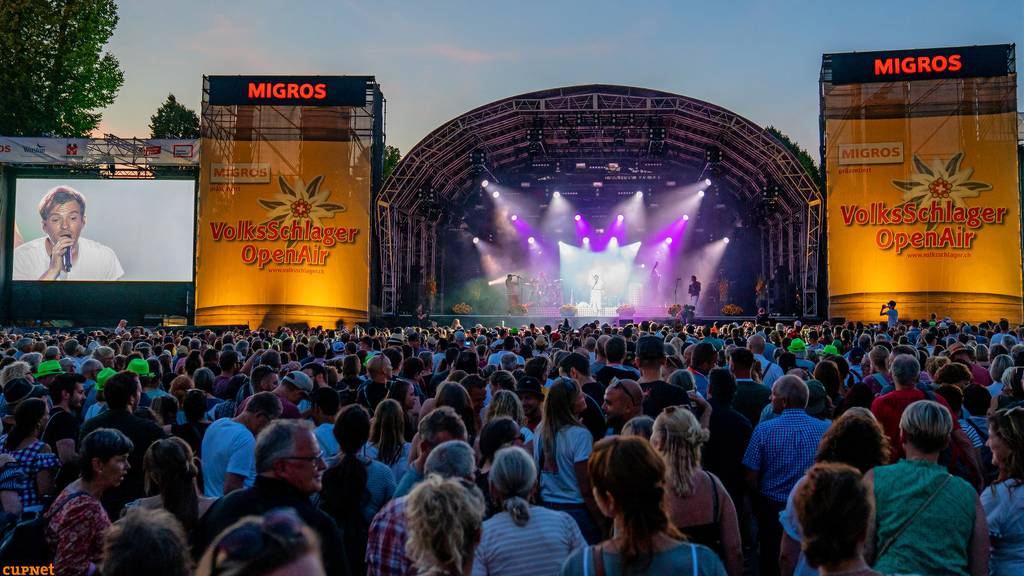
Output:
(629, 486)
(32, 455)
(387, 438)
(522, 539)
(357, 487)
(698, 503)
(171, 468)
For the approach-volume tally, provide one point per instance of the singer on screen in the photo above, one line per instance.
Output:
(62, 253)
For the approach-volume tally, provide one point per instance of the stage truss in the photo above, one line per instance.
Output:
(594, 121)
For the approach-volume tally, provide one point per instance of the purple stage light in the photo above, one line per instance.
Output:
(686, 217)
(531, 240)
(515, 217)
(476, 240)
(586, 239)
(668, 240)
(726, 239)
(620, 217)
(578, 217)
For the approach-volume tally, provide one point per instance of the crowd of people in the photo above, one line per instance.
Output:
(745, 448)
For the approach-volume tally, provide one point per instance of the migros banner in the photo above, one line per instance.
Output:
(924, 211)
(283, 233)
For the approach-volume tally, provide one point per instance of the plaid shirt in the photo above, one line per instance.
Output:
(385, 547)
(782, 449)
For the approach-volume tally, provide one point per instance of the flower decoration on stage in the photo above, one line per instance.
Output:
(567, 310)
(462, 308)
(519, 310)
(674, 310)
(732, 310)
(300, 202)
(941, 182)
(626, 310)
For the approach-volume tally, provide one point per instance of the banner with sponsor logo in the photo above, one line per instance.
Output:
(59, 151)
(924, 211)
(283, 233)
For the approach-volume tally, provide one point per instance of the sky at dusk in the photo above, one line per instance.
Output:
(436, 60)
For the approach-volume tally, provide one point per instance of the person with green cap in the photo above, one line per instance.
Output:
(799, 348)
(150, 382)
(47, 371)
(96, 403)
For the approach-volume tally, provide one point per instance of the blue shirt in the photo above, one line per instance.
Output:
(782, 449)
(700, 381)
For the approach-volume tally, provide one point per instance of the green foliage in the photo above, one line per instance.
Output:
(806, 160)
(173, 120)
(391, 157)
(55, 75)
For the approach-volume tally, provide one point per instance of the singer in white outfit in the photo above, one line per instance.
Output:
(63, 254)
(597, 293)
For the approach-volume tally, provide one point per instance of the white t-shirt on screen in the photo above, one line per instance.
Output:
(95, 261)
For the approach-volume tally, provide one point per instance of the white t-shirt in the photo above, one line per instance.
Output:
(572, 444)
(95, 261)
(227, 447)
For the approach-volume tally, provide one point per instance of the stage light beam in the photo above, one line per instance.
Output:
(485, 183)
(531, 240)
(476, 240)
(495, 194)
(700, 194)
(515, 217)
(726, 239)
(686, 217)
(620, 217)
(578, 217)
(557, 194)
(707, 182)
(668, 240)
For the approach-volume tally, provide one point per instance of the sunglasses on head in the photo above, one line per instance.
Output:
(617, 384)
(281, 527)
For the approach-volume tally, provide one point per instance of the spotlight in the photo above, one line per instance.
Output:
(476, 240)
(668, 240)
(539, 252)
(686, 217)
(495, 194)
(726, 239)
(707, 181)
(485, 183)
(620, 217)
(557, 194)
(531, 240)
(586, 239)
(515, 217)
(643, 265)
(577, 217)
(699, 194)
(640, 193)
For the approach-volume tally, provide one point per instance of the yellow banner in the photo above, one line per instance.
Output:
(924, 211)
(284, 232)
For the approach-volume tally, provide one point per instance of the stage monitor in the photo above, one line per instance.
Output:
(107, 230)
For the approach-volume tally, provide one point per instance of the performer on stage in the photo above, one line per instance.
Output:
(511, 291)
(597, 293)
(655, 284)
(694, 292)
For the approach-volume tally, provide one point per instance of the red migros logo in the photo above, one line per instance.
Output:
(917, 65)
(287, 91)
(5, 148)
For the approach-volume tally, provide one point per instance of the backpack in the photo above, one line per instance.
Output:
(25, 545)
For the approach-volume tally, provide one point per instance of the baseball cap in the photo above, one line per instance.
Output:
(298, 379)
(529, 385)
(48, 368)
(140, 367)
(650, 347)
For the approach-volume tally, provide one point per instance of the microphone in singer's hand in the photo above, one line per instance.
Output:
(66, 257)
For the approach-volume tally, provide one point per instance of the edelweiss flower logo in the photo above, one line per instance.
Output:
(941, 182)
(300, 202)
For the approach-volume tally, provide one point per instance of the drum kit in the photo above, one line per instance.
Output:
(543, 292)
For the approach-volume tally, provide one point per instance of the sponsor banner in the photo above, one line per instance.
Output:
(56, 151)
(288, 90)
(240, 173)
(928, 64)
(940, 217)
(285, 240)
(871, 153)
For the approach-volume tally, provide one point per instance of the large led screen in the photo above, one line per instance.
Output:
(103, 230)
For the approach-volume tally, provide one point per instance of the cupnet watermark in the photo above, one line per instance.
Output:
(46, 570)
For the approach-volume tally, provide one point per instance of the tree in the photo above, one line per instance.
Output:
(173, 120)
(391, 157)
(55, 76)
(806, 160)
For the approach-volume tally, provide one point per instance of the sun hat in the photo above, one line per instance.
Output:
(797, 345)
(140, 367)
(102, 377)
(48, 368)
(830, 350)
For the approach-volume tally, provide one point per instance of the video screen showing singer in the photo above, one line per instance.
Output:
(62, 253)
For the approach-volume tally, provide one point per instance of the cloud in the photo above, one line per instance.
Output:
(468, 55)
(225, 42)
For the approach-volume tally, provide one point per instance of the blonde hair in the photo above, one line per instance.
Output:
(679, 436)
(926, 425)
(933, 363)
(443, 520)
(14, 370)
(505, 403)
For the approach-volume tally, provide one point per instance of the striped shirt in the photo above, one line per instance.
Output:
(537, 549)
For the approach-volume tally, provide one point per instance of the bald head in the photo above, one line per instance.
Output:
(791, 392)
(756, 344)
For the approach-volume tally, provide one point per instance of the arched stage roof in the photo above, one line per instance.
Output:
(604, 123)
